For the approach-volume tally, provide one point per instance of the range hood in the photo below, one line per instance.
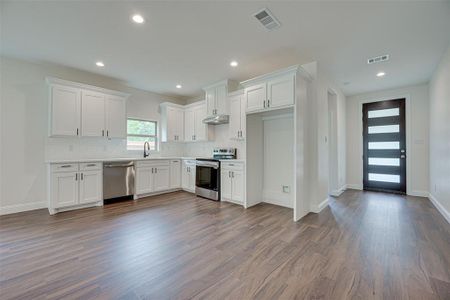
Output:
(217, 120)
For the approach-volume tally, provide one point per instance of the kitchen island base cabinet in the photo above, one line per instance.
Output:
(75, 185)
(232, 183)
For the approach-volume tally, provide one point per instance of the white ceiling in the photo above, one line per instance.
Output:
(192, 43)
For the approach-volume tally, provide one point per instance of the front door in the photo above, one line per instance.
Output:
(384, 146)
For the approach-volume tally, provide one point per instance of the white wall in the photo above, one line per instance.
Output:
(417, 106)
(24, 142)
(440, 136)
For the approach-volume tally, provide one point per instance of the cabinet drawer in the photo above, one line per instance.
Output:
(90, 166)
(238, 166)
(69, 167)
(190, 162)
(152, 163)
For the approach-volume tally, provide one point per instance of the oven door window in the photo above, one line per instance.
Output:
(207, 178)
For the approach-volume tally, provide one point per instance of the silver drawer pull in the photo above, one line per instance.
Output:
(66, 166)
(90, 165)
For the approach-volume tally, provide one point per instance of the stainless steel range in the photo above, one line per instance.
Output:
(207, 178)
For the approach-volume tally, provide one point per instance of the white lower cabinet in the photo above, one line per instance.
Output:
(75, 184)
(188, 176)
(232, 180)
(175, 174)
(152, 176)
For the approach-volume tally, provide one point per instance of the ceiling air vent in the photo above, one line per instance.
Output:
(378, 59)
(267, 19)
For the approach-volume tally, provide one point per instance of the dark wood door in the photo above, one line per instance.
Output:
(384, 139)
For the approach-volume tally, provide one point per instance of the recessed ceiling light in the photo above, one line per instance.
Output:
(138, 19)
(380, 74)
(178, 86)
(234, 63)
(100, 64)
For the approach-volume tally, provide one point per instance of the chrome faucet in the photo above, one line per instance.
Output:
(146, 149)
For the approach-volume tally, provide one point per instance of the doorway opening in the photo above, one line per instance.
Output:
(384, 146)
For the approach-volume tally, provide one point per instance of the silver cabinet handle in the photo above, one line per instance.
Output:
(232, 174)
(156, 170)
(107, 132)
(103, 132)
(229, 174)
(264, 103)
(66, 166)
(268, 102)
(77, 131)
(76, 176)
(82, 177)
(90, 165)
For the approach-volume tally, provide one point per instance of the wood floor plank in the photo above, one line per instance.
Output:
(365, 245)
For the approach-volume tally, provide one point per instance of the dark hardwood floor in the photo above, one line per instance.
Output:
(364, 245)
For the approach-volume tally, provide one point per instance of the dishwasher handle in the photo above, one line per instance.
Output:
(118, 165)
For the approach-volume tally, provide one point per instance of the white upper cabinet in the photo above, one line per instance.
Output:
(172, 121)
(255, 97)
(93, 114)
(194, 128)
(65, 111)
(116, 117)
(271, 91)
(82, 110)
(237, 116)
(280, 91)
(216, 97)
(189, 124)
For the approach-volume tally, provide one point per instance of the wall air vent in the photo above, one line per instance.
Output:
(378, 59)
(267, 19)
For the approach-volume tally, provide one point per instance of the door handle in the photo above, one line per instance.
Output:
(264, 103)
(402, 156)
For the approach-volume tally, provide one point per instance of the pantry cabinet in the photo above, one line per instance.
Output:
(188, 176)
(82, 110)
(75, 184)
(172, 122)
(232, 182)
(237, 116)
(271, 92)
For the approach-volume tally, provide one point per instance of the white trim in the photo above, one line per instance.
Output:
(277, 198)
(54, 80)
(407, 98)
(321, 206)
(292, 69)
(439, 207)
(12, 209)
(419, 193)
(338, 192)
(139, 196)
(354, 186)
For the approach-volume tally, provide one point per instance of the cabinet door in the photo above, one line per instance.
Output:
(175, 174)
(280, 91)
(201, 129)
(238, 190)
(243, 118)
(221, 100)
(185, 176)
(161, 178)
(225, 184)
(172, 124)
(65, 111)
(116, 117)
(189, 124)
(91, 186)
(235, 117)
(192, 177)
(211, 101)
(64, 189)
(255, 97)
(92, 114)
(144, 180)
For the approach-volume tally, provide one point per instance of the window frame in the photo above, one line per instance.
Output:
(156, 136)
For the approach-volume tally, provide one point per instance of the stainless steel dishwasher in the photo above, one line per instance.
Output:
(118, 179)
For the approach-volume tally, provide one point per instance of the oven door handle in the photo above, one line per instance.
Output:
(211, 165)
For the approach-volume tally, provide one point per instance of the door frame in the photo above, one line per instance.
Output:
(394, 96)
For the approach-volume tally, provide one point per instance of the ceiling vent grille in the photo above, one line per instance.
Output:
(267, 19)
(378, 59)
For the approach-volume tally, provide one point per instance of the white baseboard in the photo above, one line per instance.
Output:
(439, 207)
(277, 198)
(11, 209)
(354, 186)
(419, 193)
(319, 207)
(338, 192)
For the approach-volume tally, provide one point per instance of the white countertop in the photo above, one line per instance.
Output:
(80, 160)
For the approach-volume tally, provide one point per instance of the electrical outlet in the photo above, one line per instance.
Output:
(286, 189)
